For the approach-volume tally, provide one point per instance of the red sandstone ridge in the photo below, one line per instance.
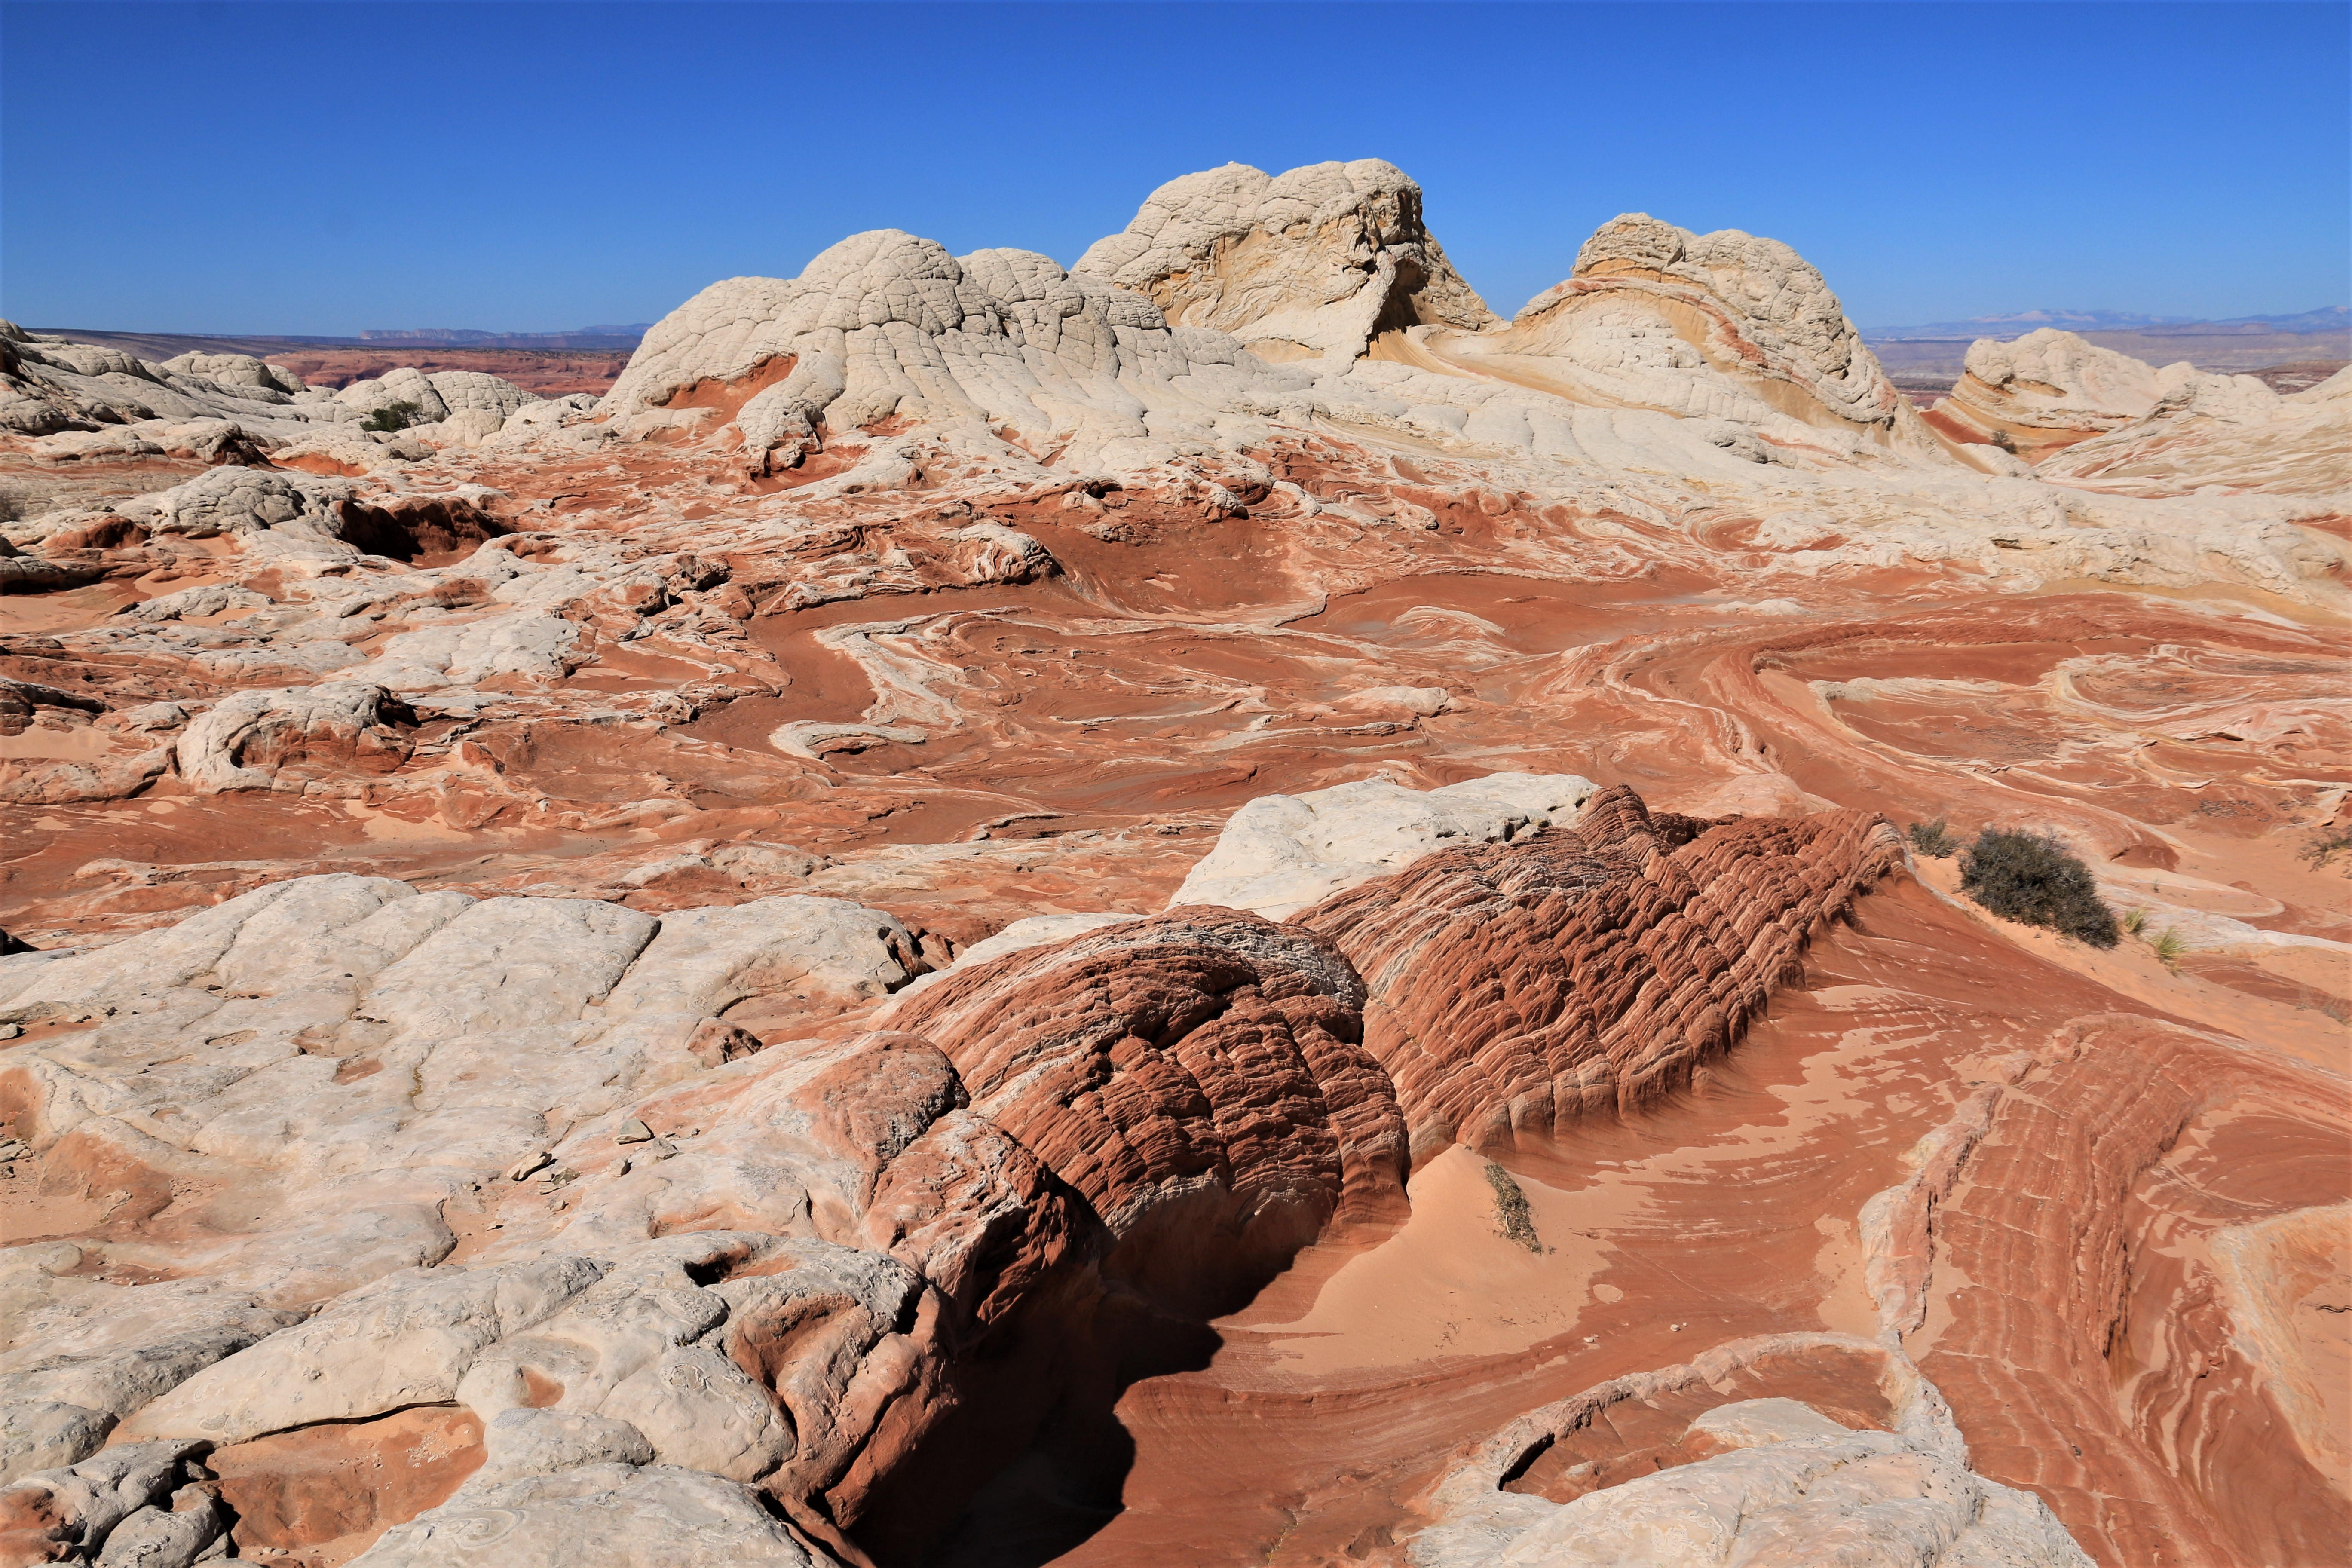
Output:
(1586, 971)
(1213, 908)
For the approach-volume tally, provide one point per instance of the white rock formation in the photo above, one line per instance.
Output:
(50, 384)
(2052, 385)
(655, 1516)
(2216, 435)
(1798, 1489)
(338, 719)
(1282, 852)
(1721, 358)
(886, 324)
(1724, 326)
(1315, 263)
(1772, 1483)
(357, 1072)
(240, 376)
(474, 1033)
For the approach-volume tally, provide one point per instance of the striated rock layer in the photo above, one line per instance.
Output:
(1166, 1110)
(1589, 971)
(1000, 912)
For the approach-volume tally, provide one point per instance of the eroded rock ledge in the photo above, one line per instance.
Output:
(501, 1202)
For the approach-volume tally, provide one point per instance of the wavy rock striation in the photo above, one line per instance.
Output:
(722, 1119)
(1161, 1111)
(1587, 971)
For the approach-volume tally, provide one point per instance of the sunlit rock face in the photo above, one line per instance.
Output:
(1209, 906)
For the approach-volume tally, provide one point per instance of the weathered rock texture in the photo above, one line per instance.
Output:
(726, 973)
(1716, 326)
(1172, 1107)
(49, 384)
(1768, 1481)
(1317, 262)
(2090, 414)
(1280, 854)
(1587, 971)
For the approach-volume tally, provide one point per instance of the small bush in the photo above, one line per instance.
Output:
(1934, 839)
(2170, 947)
(2133, 922)
(391, 417)
(1511, 1208)
(2035, 880)
(2324, 847)
(2005, 441)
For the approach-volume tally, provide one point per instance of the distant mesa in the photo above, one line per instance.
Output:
(2328, 318)
(2314, 342)
(606, 337)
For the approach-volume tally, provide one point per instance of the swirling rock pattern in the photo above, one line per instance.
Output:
(608, 974)
(1170, 1107)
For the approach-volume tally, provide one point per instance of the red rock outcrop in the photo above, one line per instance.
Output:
(2081, 1330)
(1588, 970)
(521, 825)
(1200, 1078)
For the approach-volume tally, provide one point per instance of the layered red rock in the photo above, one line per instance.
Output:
(1589, 971)
(1200, 1078)
(1018, 642)
(2082, 1329)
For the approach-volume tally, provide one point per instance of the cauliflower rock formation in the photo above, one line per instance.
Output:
(1315, 263)
(1000, 344)
(1107, 914)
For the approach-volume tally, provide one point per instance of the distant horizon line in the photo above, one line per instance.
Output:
(2310, 322)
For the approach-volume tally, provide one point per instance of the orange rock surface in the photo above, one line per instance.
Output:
(542, 1093)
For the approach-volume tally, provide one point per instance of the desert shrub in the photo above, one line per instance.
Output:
(2005, 441)
(1511, 1208)
(2170, 946)
(2133, 922)
(1934, 839)
(2324, 847)
(391, 417)
(2032, 879)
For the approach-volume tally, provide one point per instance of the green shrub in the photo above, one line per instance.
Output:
(2032, 879)
(2133, 922)
(1511, 1208)
(2170, 946)
(2005, 441)
(1934, 839)
(391, 417)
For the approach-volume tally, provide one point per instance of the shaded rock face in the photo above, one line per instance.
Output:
(1002, 911)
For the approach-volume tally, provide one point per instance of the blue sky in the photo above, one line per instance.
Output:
(324, 167)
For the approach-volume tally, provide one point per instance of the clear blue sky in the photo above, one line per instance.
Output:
(325, 167)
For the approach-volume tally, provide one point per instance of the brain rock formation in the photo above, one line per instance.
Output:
(1211, 907)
